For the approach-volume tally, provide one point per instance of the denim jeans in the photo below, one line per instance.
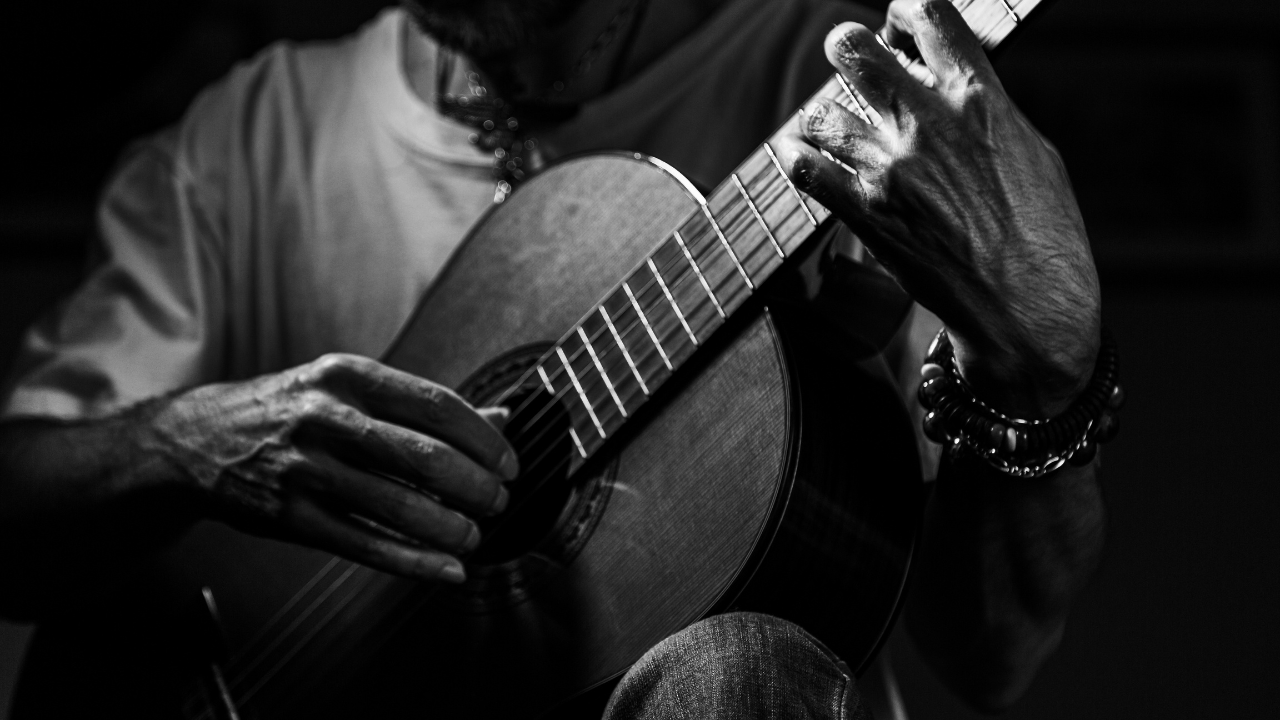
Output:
(738, 665)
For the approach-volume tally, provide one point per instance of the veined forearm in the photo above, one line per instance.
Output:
(1001, 562)
(80, 496)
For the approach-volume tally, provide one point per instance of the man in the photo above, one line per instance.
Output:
(217, 363)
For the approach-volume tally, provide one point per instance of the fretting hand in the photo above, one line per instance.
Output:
(295, 454)
(963, 201)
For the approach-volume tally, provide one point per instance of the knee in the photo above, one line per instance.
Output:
(732, 665)
(732, 644)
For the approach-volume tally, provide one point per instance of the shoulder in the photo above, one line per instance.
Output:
(262, 119)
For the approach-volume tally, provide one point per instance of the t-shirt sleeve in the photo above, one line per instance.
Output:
(147, 319)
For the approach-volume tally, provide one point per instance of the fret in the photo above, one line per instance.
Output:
(623, 347)
(717, 267)
(777, 205)
(671, 301)
(839, 162)
(635, 338)
(1012, 15)
(612, 366)
(698, 271)
(686, 291)
(647, 327)
(724, 242)
(664, 319)
(756, 212)
(742, 232)
(551, 390)
(595, 360)
(770, 198)
(586, 402)
(582, 360)
(577, 442)
(985, 19)
(857, 104)
(799, 200)
(546, 381)
(991, 20)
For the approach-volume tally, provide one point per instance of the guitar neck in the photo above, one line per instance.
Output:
(608, 365)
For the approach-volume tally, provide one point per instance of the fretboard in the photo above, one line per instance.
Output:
(608, 365)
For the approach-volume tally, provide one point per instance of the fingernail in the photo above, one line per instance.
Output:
(509, 466)
(453, 572)
(813, 113)
(498, 416)
(500, 502)
(802, 171)
(473, 538)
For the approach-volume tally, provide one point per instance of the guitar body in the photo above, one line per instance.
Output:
(775, 473)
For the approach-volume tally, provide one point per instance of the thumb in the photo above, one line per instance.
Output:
(497, 416)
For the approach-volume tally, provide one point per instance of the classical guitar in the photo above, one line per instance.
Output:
(693, 439)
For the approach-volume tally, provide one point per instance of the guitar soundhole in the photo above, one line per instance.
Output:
(539, 431)
(550, 516)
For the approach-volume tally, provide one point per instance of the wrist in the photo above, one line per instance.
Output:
(1023, 380)
(1020, 446)
(160, 431)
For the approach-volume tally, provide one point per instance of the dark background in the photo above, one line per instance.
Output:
(1166, 112)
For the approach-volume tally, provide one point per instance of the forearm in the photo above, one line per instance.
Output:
(1001, 561)
(79, 498)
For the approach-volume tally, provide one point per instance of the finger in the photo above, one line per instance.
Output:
(326, 530)
(871, 70)
(837, 186)
(396, 507)
(935, 31)
(425, 462)
(851, 140)
(418, 404)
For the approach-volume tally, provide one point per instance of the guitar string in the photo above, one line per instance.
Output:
(243, 670)
(543, 428)
(696, 304)
(648, 285)
(261, 635)
(685, 275)
(701, 244)
(683, 279)
(552, 401)
(366, 577)
(667, 329)
(306, 613)
(740, 210)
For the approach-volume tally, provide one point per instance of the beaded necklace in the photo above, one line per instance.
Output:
(493, 119)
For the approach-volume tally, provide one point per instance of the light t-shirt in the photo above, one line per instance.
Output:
(306, 201)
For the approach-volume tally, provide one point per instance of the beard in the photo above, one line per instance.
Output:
(488, 28)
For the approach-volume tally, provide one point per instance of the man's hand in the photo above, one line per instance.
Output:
(295, 455)
(963, 201)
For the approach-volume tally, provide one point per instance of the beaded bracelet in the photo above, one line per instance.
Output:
(958, 420)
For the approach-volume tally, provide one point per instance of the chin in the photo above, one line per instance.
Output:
(484, 28)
